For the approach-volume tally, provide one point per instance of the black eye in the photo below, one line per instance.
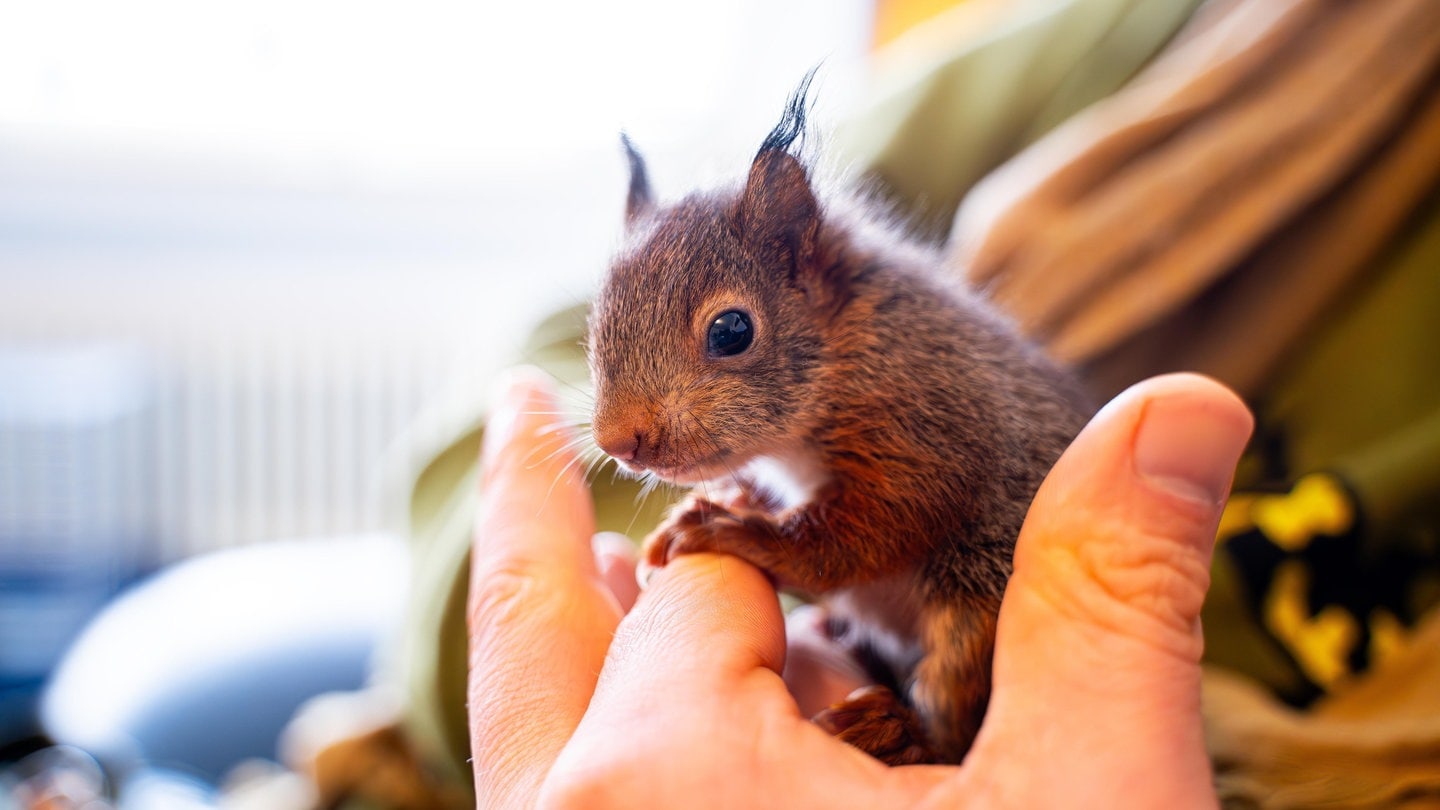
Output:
(730, 334)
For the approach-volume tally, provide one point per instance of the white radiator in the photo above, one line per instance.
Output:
(273, 407)
(292, 336)
(212, 443)
(261, 439)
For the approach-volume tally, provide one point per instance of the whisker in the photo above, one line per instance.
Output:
(649, 483)
(575, 459)
(597, 462)
(561, 427)
(570, 445)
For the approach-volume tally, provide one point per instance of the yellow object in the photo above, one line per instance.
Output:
(895, 17)
(1317, 504)
(1320, 644)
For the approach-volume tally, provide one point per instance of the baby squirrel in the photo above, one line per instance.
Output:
(855, 422)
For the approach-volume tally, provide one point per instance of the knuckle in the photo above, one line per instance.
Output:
(1159, 578)
(509, 593)
(1146, 585)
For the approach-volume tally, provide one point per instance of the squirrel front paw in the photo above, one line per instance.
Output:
(698, 525)
(677, 535)
(874, 720)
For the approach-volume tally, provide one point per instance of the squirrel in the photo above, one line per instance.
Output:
(854, 421)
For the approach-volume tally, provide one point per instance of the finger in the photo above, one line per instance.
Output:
(701, 632)
(540, 618)
(691, 709)
(819, 671)
(615, 558)
(1101, 616)
(683, 669)
(528, 467)
(703, 619)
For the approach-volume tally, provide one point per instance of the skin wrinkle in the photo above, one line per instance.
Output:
(1075, 589)
(511, 777)
(502, 598)
(671, 611)
(1159, 578)
(518, 751)
(508, 605)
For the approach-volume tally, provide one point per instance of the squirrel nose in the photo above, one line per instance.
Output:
(621, 443)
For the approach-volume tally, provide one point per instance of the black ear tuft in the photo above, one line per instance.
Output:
(792, 123)
(640, 200)
(778, 209)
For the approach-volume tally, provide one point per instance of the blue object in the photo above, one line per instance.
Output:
(201, 666)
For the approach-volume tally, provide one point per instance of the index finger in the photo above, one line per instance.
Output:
(540, 617)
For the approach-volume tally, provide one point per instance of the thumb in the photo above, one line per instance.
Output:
(1097, 661)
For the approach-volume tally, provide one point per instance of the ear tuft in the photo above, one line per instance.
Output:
(792, 122)
(778, 208)
(641, 200)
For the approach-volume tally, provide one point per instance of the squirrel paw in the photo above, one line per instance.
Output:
(677, 535)
(874, 720)
(698, 525)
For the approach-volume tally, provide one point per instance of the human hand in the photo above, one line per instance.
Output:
(585, 694)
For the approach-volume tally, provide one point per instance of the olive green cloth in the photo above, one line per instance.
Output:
(934, 127)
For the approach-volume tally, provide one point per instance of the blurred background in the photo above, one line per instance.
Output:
(244, 247)
(259, 263)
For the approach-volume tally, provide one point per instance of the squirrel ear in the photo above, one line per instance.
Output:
(778, 208)
(641, 200)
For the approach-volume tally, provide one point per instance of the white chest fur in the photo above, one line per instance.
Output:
(790, 478)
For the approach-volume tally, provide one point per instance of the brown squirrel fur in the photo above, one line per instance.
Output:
(875, 445)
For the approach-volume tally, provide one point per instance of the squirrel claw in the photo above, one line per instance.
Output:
(678, 535)
(874, 720)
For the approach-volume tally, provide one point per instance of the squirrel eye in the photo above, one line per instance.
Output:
(730, 334)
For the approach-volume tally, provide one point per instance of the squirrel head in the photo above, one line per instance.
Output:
(705, 339)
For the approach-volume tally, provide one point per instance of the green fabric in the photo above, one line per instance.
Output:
(1365, 397)
(931, 136)
(1360, 401)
